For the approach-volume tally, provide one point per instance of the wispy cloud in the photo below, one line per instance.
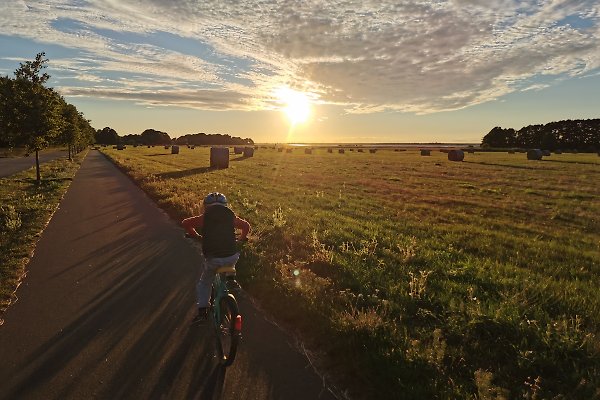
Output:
(368, 56)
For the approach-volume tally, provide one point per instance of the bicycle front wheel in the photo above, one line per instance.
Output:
(228, 330)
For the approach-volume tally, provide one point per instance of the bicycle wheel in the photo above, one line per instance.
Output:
(228, 330)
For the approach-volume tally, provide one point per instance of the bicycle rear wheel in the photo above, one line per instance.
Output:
(228, 330)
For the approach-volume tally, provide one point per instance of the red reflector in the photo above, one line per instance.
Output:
(238, 323)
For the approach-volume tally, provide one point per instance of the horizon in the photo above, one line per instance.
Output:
(425, 72)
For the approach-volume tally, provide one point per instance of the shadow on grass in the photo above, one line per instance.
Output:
(188, 172)
(498, 165)
(572, 162)
(239, 158)
(158, 154)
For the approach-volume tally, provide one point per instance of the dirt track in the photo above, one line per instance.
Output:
(106, 307)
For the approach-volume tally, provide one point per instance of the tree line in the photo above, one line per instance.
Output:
(35, 116)
(580, 134)
(153, 137)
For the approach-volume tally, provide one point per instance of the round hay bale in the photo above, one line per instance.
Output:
(288, 150)
(372, 151)
(341, 151)
(280, 150)
(456, 155)
(546, 153)
(219, 157)
(120, 147)
(360, 150)
(174, 149)
(330, 150)
(248, 152)
(425, 152)
(149, 146)
(534, 154)
(307, 151)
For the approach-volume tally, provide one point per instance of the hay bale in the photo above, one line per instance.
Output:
(167, 147)
(238, 150)
(149, 146)
(288, 150)
(330, 150)
(456, 155)
(546, 153)
(471, 151)
(174, 149)
(534, 154)
(425, 152)
(360, 150)
(248, 152)
(280, 150)
(372, 151)
(307, 151)
(120, 147)
(341, 151)
(219, 157)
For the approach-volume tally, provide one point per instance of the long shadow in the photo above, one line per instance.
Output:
(158, 154)
(572, 162)
(181, 174)
(239, 158)
(499, 165)
(145, 307)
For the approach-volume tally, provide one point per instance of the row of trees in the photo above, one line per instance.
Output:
(569, 134)
(35, 116)
(154, 137)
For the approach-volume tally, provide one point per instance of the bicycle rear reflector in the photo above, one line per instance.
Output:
(238, 323)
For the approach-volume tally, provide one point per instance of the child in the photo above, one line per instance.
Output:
(217, 227)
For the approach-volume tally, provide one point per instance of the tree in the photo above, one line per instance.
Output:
(30, 70)
(107, 135)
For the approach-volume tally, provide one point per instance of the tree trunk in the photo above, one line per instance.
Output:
(70, 159)
(37, 166)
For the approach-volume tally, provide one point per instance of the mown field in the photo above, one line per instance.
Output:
(417, 277)
(25, 209)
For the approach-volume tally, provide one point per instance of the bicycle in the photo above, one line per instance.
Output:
(224, 316)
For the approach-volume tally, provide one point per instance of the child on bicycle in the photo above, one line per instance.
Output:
(216, 228)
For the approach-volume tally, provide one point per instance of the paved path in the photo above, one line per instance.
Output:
(12, 165)
(105, 311)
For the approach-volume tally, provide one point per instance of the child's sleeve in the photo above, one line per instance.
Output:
(243, 225)
(191, 224)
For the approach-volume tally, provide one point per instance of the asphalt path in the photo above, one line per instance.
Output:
(12, 165)
(106, 311)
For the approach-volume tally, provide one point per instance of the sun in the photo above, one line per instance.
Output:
(296, 105)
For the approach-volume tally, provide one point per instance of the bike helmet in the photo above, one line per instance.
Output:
(215, 198)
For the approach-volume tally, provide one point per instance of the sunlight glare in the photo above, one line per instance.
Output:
(296, 105)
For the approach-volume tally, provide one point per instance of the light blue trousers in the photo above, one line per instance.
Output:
(208, 275)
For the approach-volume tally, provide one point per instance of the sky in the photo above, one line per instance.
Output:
(359, 71)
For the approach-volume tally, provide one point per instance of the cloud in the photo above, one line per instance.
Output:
(367, 56)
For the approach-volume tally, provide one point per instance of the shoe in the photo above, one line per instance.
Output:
(202, 315)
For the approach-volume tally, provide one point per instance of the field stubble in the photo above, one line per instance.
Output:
(419, 277)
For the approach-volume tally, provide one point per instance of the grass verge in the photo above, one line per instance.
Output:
(419, 277)
(26, 209)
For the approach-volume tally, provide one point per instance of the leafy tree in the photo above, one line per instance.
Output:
(30, 70)
(107, 135)
(153, 137)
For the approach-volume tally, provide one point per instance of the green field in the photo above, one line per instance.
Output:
(416, 276)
